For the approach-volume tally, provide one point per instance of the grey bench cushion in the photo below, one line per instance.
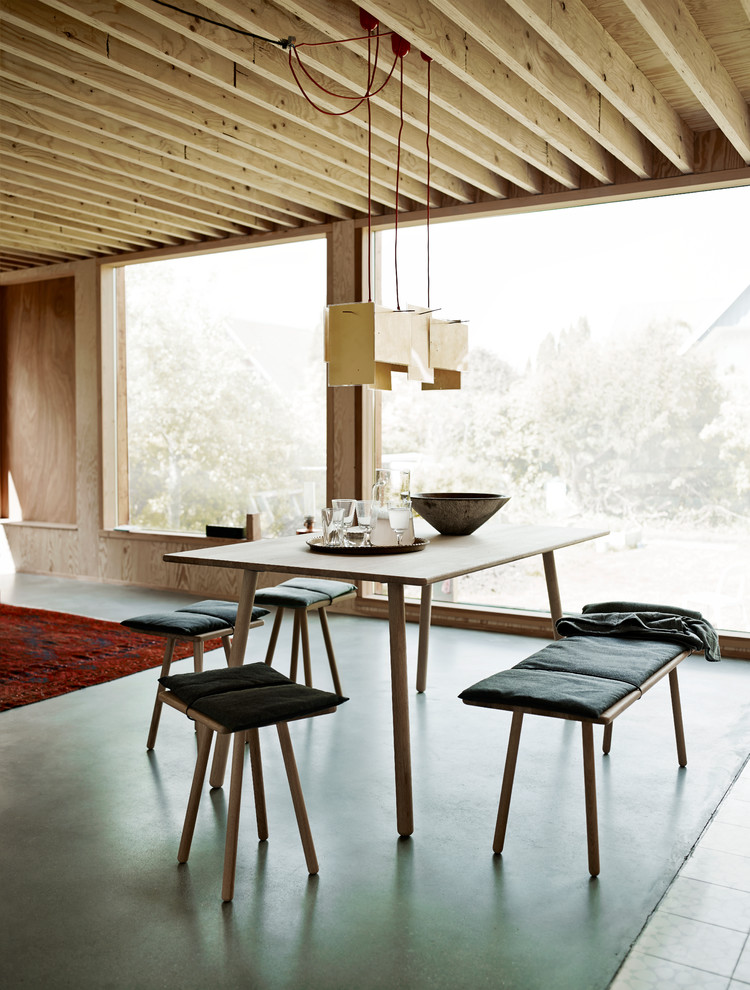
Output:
(612, 658)
(248, 697)
(185, 624)
(221, 610)
(581, 675)
(546, 690)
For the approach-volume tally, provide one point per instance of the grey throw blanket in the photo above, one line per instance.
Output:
(640, 620)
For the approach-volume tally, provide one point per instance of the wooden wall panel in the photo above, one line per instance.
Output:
(39, 418)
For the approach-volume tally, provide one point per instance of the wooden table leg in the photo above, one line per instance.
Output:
(400, 699)
(553, 590)
(425, 616)
(236, 659)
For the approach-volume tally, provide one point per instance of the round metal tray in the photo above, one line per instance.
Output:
(318, 546)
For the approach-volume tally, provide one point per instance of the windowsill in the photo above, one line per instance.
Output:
(165, 536)
(37, 524)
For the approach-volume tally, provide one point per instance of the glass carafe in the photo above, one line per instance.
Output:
(390, 486)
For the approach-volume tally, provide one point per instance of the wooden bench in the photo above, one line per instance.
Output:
(586, 679)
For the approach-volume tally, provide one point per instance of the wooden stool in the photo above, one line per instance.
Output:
(239, 701)
(303, 595)
(192, 624)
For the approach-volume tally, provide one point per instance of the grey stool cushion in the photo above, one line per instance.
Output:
(334, 589)
(221, 610)
(285, 597)
(184, 624)
(248, 697)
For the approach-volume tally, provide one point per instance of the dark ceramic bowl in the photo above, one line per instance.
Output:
(457, 513)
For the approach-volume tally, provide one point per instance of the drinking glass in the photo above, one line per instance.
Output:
(337, 526)
(399, 514)
(326, 520)
(347, 507)
(365, 509)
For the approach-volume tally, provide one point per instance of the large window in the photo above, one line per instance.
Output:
(607, 385)
(225, 388)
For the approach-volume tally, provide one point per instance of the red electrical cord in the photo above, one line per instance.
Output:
(428, 60)
(401, 48)
(398, 175)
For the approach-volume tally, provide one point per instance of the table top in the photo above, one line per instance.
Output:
(445, 557)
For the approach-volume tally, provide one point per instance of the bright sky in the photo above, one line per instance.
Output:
(518, 277)
(515, 278)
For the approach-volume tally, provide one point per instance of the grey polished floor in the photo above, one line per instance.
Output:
(92, 896)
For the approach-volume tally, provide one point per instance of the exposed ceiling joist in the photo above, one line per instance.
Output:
(673, 28)
(126, 125)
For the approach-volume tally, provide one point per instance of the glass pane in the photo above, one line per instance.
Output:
(607, 386)
(226, 388)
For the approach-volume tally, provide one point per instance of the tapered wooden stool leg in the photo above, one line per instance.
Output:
(259, 792)
(205, 735)
(329, 650)
(166, 664)
(226, 642)
(295, 646)
(305, 633)
(507, 788)
(679, 732)
(297, 799)
(233, 816)
(607, 741)
(198, 656)
(589, 783)
(274, 635)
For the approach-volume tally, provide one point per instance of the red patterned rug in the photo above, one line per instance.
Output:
(43, 654)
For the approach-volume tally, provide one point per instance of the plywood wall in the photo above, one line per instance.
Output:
(39, 399)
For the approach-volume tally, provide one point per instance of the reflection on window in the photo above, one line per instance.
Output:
(226, 388)
(608, 386)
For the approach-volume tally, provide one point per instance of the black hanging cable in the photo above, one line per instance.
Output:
(281, 42)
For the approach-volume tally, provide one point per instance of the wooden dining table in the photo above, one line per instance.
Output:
(442, 559)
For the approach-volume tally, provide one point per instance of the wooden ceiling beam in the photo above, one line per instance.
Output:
(236, 89)
(183, 197)
(154, 150)
(30, 259)
(461, 117)
(43, 74)
(100, 111)
(80, 235)
(673, 29)
(452, 171)
(464, 150)
(32, 203)
(435, 34)
(49, 178)
(573, 31)
(17, 235)
(508, 38)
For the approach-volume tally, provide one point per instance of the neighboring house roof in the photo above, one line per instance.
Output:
(728, 337)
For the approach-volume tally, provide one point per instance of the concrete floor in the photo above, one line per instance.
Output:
(92, 896)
